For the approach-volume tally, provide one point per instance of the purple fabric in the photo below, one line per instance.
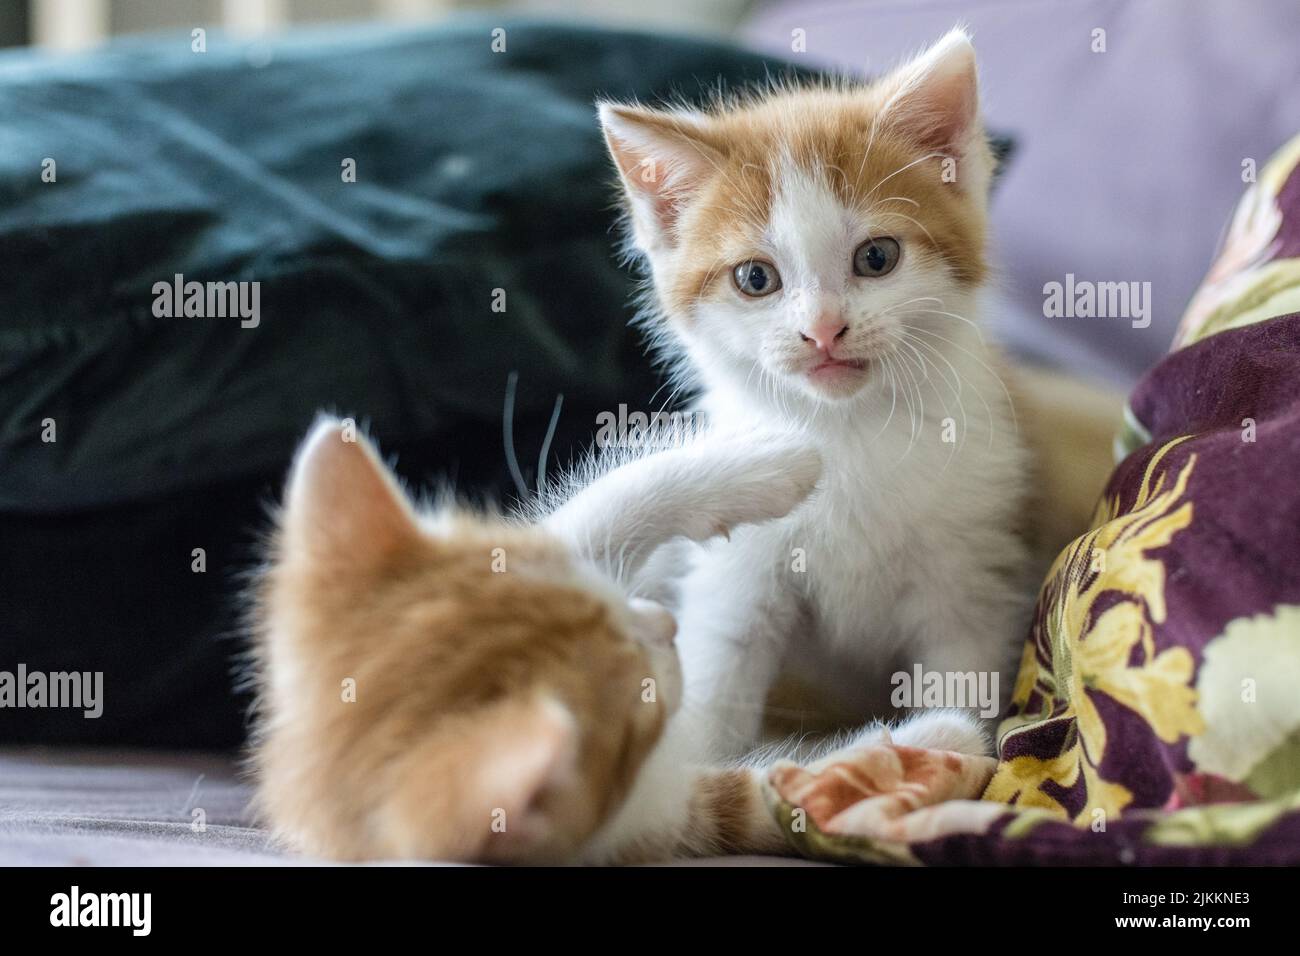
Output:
(1243, 557)
(1124, 842)
(1128, 161)
(1233, 559)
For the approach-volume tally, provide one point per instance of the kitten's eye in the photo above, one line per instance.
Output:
(756, 278)
(876, 257)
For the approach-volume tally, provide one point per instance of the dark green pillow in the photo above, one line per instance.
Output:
(479, 175)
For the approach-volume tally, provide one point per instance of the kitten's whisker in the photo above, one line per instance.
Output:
(903, 169)
(508, 436)
(546, 447)
(984, 365)
(920, 298)
(907, 342)
(843, 176)
(871, 141)
(661, 387)
(714, 267)
(978, 331)
(907, 397)
(893, 395)
(900, 199)
(917, 222)
(921, 402)
(907, 400)
(979, 393)
(748, 203)
(955, 386)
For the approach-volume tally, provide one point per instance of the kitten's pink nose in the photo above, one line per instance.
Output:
(825, 332)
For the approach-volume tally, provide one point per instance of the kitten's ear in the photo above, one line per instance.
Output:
(662, 157)
(934, 99)
(342, 502)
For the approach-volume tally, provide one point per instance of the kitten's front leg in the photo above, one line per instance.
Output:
(967, 631)
(737, 613)
(681, 807)
(959, 731)
(705, 811)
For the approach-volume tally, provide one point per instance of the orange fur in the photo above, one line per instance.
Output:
(481, 698)
(822, 130)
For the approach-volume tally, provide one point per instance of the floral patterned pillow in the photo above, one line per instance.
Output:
(1156, 715)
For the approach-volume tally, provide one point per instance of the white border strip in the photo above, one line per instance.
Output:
(69, 24)
(254, 17)
(412, 9)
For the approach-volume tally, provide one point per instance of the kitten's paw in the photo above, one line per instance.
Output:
(954, 730)
(875, 734)
(764, 479)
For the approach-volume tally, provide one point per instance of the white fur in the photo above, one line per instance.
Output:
(629, 505)
(908, 540)
(908, 544)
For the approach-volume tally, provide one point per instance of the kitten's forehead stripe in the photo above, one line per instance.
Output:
(832, 137)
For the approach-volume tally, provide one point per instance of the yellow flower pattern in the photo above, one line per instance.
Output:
(1083, 645)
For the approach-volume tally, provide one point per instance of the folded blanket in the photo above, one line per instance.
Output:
(1156, 715)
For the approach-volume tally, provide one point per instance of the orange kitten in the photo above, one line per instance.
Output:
(458, 687)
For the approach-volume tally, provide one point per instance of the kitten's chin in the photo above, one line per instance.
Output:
(835, 381)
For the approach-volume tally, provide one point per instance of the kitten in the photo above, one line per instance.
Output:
(442, 685)
(816, 257)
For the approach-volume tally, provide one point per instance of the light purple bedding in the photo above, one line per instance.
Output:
(109, 808)
(137, 808)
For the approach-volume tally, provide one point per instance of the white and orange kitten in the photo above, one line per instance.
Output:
(440, 684)
(817, 256)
